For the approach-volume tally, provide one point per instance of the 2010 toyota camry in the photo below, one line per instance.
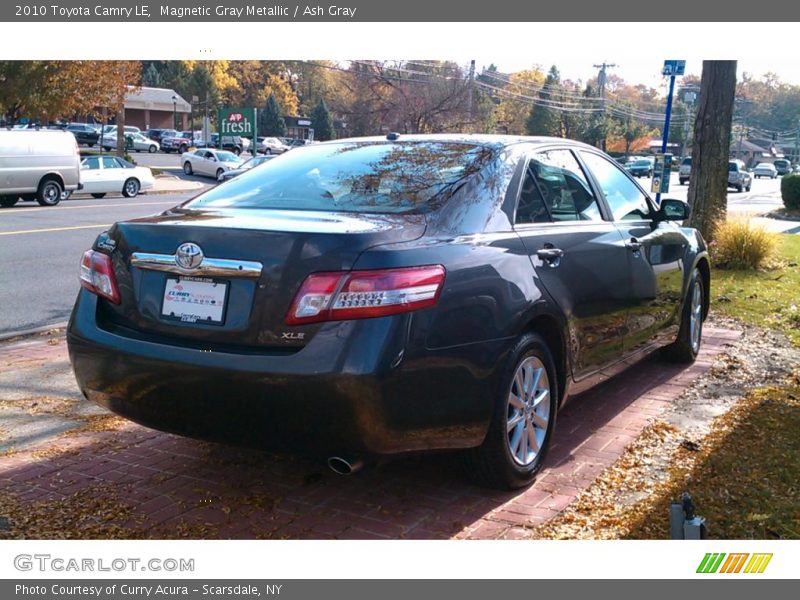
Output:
(386, 295)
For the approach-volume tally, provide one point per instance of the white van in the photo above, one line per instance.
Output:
(39, 165)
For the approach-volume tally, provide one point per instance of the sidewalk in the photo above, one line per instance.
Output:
(169, 184)
(71, 469)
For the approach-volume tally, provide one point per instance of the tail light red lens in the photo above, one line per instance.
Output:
(365, 294)
(97, 275)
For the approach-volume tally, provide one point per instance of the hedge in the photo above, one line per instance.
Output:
(790, 191)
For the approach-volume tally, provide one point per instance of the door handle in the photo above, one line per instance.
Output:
(551, 256)
(633, 245)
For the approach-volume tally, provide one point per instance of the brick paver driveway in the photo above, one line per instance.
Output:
(136, 482)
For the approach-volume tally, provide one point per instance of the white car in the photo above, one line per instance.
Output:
(213, 163)
(271, 145)
(765, 170)
(101, 175)
(112, 129)
(140, 142)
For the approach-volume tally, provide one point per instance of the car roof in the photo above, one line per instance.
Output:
(481, 139)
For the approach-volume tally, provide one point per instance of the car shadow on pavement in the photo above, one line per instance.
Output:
(112, 479)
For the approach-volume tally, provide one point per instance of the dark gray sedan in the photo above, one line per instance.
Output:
(387, 295)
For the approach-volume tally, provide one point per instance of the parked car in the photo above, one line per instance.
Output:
(294, 142)
(101, 175)
(253, 162)
(685, 170)
(271, 145)
(783, 166)
(159, 134)
(112, 129)
(207, 161)
(765, 170)
(38, 165)
(738, 177)
(233, 143)
(182, 141)
(383, 296)
(140, 143)
(85, 134)
(642, 167)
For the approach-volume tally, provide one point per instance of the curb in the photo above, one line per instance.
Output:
(7, 335)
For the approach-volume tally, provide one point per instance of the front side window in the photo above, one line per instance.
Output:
(625, 199)
(555, 189)
(92, 163)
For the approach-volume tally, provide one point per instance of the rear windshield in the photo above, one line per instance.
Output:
(377, 177)
(732, 167)
(781, 163)
(642, 162)
(687, 161)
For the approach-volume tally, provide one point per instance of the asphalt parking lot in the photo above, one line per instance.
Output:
(69, 469)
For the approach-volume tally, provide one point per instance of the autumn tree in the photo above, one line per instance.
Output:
(63, 89)
(712, 129)
(323, 123)
(513, 108)
(270, 119)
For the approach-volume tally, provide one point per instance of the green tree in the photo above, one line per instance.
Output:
(270, 120)
(543, 120)
(151, 76)
(323, 123)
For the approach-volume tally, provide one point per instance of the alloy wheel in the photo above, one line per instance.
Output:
(528, 411)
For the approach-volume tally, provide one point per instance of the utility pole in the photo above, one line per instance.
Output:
(601, 84)
(689, 98)
(797, 143)
(470, 91)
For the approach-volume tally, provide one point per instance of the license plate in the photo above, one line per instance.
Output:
(194, 300)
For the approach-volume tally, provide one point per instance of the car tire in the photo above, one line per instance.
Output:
(131, 187)
(99, 195)
(187, 167)
(500, 462)
(107, 148)
(49, 193)
(268, 151)
(237, 151)
(219, 173)
(183, 148)
(739, 188)
(687, 345)
(152, 149)
(683, 182)
(8, 201)
(90, 145)
(747, 189)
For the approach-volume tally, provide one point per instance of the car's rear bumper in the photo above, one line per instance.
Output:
(355, 387)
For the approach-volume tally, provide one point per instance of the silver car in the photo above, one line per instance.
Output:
(738, 177)
(213, 163)
(38, 165)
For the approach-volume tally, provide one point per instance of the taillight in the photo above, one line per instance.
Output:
(365, 294)
(97, 275)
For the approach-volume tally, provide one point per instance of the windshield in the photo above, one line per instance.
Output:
(254, 162)
(642, 162)
(687, 161)
(732, 167)
(378, 177)
(227, 157)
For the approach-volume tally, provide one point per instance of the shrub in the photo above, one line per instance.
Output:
(790, 191)
(740, 245)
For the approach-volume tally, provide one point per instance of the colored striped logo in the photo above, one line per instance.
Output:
(719, 562)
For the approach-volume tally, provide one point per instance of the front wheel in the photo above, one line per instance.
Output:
(686, 347)
(131, 188)
(523, 421)
(152, 149)
(237, 151)
(183, 148)
(219, 173)
(187, 167)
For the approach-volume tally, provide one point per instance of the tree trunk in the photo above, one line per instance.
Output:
(708, 185)
(121, 132)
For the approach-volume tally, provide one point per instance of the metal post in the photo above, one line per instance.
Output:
(667, 118)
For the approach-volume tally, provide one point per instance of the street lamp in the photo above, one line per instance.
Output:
(175, 111)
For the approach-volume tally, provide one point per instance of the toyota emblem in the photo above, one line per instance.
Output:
(188, 256)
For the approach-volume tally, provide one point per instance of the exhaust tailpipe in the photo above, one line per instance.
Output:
(345, 465)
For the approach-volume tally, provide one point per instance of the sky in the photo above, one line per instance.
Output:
(648, 72)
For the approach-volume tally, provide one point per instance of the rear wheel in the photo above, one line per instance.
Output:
(99, 195)
(685, 348)
(187, 167)
(131, 188)
(739, 188)
(237, 151)
(152, 149)
(183, 148)
(683, 182)
(219, 173)
(8, 201)
(49, 193)
(524, 417)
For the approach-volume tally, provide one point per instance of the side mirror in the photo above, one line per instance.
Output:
(673, 210)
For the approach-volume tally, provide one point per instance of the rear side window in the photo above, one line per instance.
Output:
(555, 189)
(363, 177)
(625, 199)
(110, 162)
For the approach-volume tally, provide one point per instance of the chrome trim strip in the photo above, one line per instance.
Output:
(210, 267)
